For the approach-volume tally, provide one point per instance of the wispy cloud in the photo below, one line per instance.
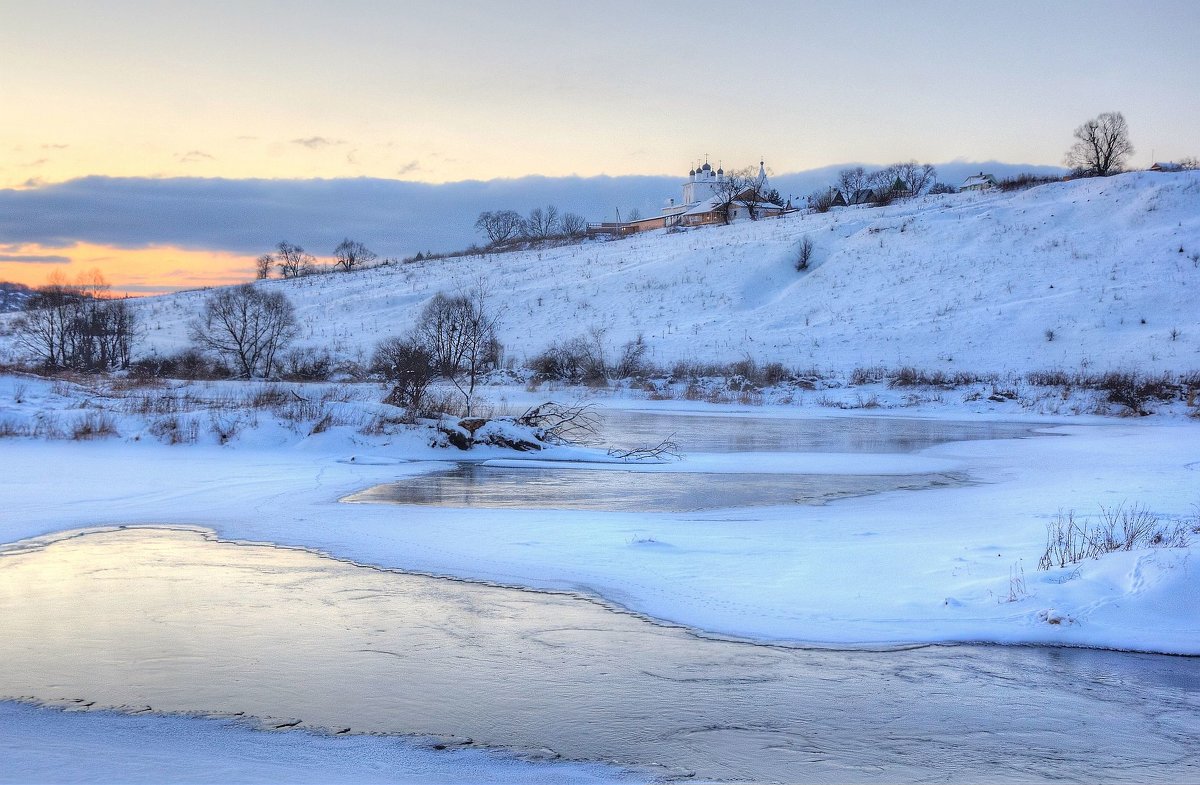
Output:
(318, 142)
(55, 146)
(7, 258)
(410, 167)
(193, 156)
(38, 162)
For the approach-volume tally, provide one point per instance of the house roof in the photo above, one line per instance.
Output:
(978, 179)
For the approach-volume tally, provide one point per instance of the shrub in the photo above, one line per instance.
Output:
(804, 254)
(408, 367)
(1070, 540)
(174, 430)
(575, 360)
(871, 375)
(1024, 180)
(94, 425)
(633, 359)
(10, 428)
(1049, 378)
(307, 365)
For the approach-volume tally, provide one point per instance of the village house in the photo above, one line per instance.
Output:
(978, 182)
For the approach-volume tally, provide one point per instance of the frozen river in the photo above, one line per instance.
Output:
(607, 488)
(173, 620)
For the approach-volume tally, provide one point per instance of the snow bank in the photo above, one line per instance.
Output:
(40, 745)
(900, 567)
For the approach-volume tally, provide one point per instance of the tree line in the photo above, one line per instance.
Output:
(508, 226)
(77, 325)
(292, 261)
(880, 187)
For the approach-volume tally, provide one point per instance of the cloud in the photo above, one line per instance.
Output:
(7, 258)
(411, 166)
(38, 162)
(318, 142)
(193, 156)
(393, 217)
(55, 146)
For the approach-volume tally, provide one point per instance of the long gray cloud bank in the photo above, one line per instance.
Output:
(393, 217)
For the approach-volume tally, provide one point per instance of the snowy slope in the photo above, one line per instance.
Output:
(959, 282)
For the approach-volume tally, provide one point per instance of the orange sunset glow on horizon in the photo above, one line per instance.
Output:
(133, 272)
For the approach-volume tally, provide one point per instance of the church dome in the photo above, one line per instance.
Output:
(692, 173)
(706, 167)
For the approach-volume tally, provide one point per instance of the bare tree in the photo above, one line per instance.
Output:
(882, 185)
(1101, 146)
(733, 189)
(572, 224)
(246, 326)
(500, 226)
(263, 265)
(293, 261)
(821, 200)
(542, 223)
(76, 326)
(916, 177)
(351, 254)
(459, 332)
(852, 183)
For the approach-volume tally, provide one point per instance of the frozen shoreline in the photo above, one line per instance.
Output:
(893, 568)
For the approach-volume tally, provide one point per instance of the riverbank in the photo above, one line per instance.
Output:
(949, 564)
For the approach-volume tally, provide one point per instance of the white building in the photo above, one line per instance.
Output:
(978, 182)
(706, 193)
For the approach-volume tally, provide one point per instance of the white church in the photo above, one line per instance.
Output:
(705, 195)
(704, 201)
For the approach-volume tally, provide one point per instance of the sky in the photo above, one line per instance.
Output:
(481, 92)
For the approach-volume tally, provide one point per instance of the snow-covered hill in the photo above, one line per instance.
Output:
(1100, 274)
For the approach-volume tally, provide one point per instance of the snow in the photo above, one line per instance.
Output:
(893, 568)
(40, 745)
(955, 282)
(965, 282)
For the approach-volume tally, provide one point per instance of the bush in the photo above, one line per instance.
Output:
(575, 360)
(307, 365)
(633, 362)
(408, 367)
(1025, 180)
(804, 254)
(1070, 540)
(94, 425)
(871, 375)
(1050, 378)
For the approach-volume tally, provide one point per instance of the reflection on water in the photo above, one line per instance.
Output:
(481, 486)
(476, 486)
(173, 621)
(708, 433)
